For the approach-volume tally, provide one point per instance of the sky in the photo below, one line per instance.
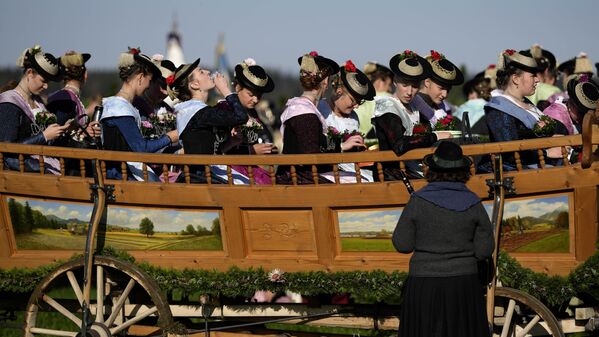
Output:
(276, 32)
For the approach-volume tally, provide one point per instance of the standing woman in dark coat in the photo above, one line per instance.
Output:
(19, 106)
(447, 228)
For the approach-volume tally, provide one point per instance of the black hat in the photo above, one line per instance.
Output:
(356, 82)
(44, 63)
(182, 72)
(567, 66)
(166, 67)
(545, 59)
(520, 59)
(313, 63)
(583, 92)
(447, 156)
(443, 71)
(473, 82)
(253, 77)
(134, 55)
(372, 67)
(408, 65)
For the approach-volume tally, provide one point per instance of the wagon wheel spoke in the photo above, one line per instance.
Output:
(133, 320)
(100, 294)
(64, 311)
(523, 315)
(53, 332)
(508, 318)
(119, 304)
(75, 286)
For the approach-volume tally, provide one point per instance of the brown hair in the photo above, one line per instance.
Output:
(311, 81)
(380, 75)
(461, 175)
(183, 92)
(76, 73)
(503, 75)
(126, 73)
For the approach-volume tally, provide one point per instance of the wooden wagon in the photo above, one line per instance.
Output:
(550, 227)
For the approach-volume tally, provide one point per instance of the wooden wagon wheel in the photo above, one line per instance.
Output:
(124, 296)
(518, 314)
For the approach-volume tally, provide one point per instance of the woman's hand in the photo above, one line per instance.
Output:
(264, 148)
(351, 142)
(220, 82)
(93, 129)
(54, 131)
(443, 134)
(174, 136)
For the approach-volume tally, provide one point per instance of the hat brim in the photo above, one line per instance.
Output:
(567, 65)
(139, 58)
(321, 59)
(46, 75)
(459, 77)
(446, 165)
(369, 96)
(245, 82)
(86, 57)
(426, 68)
(184, 70)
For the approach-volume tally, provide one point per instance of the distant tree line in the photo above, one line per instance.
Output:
(25, 219)
(203, 231)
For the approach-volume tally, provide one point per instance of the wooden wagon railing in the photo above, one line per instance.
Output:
(247, 211)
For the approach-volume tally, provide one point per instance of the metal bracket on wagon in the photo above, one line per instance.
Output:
(108, 190)
(507, 183)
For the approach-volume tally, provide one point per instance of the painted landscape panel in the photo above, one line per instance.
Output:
(530, 225)
(43, 224)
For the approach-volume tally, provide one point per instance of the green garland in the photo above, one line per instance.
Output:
(365, 286)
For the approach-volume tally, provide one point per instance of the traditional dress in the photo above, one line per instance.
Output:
(365, 112)
(394, 126)
(121, 132)
(202, 130)
(304, 131)
(349, 123)
(507, 120)
(19, 126)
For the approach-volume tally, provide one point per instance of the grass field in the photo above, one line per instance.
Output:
(62, 239)
(366, 245)
(556, 243)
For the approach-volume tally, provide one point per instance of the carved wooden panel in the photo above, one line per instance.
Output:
(269, 231)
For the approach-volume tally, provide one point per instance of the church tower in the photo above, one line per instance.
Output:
(174, 49)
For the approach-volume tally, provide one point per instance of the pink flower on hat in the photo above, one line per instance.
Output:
(313, 53)
(350, 67)
(134, 51)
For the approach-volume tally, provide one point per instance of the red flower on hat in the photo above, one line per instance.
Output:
(350, 67)
(491, 66)
(170, 80)
(407, 54)
(435, 55)
(313, 53)
(134, 51)
(509, 52)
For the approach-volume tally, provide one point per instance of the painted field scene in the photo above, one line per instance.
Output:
(532, 225)
(42, 225)
(367, 231)
(536, 225)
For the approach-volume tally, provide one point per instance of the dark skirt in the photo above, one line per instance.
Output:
(443, 307)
